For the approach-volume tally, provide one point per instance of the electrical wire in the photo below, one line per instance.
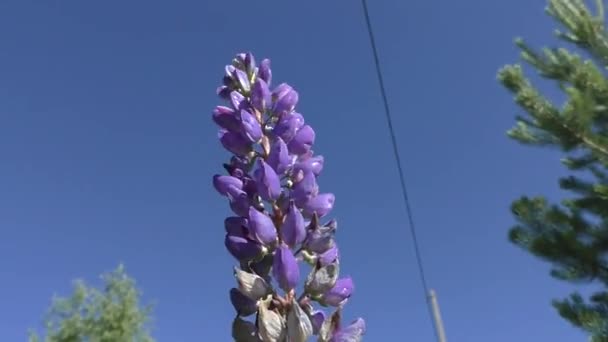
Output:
(397, 157)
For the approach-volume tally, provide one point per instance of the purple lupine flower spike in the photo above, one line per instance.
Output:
(279, 215)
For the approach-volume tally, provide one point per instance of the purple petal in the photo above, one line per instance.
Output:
(303, 140)
(343, 289)
(225, 118)
(285, 268)
(264, 71)
(286, 99)
(223, 92)
(321, 204)
(351, 333)
(234, 142)
(261, 227)
(329, 256)
(317, 318)
(236, 225)
(293, 229)
(305, 190)
(288, 126)
(260, 95)
(239, 201)
(238, 101)
(267, 181)
(312, 164)
(243, 81)
(249, 62)
(279, 158)
(223, 184)
(251, 127)
(243, 305)
(242, 248)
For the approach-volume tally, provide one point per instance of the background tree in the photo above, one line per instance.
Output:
(573, 236)
(111, 315)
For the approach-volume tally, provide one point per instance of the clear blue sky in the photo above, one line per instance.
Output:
(107, 151)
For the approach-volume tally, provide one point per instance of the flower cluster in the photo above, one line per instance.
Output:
(271, 186)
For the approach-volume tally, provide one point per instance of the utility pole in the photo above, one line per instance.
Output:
(437, 316)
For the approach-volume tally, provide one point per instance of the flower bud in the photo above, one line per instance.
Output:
(264, 71)
(303, 140)
(243, 305)
(317, 318)
(244, 331)
(279, 158)
(251, 285)
(329, 256)
(321, 205)
(250, 126)
(236, 225)
(225, 118)
(288, 125)
(340, 293)
(241, 248)
(352, 333)
(293, 230)
(271, 325)
(320, 238)
(239, 201)
(299, 327)
(225, 184)
(267, 181)
(238, 101)
(242, 80)
(285, 268)
(261, 227)
(286, 99)
(305, 190)
(312, 164)
(260, 95)
(322, 279)
(234, 142)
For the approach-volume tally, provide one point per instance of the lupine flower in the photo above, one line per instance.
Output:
(279, 158)
(261, 227)
(243, 305)
(267, 181)
(338, 294)
(285, 268)
(302, 141)
(352, 333)
(293, 229)
(272, 189)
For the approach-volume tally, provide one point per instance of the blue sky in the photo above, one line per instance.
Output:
(108, 149)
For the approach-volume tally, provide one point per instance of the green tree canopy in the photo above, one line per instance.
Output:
(91, 315)
(572, 235)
